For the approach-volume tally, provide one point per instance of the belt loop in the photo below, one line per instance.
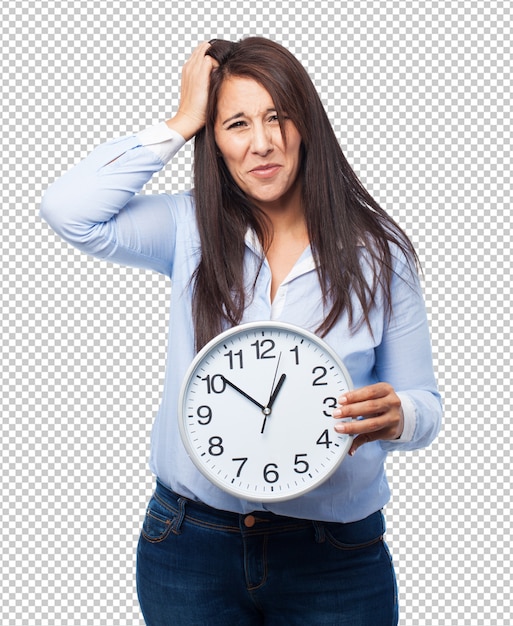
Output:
(177, 522)
(319, 532)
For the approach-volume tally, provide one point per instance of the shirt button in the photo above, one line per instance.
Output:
(249, 521)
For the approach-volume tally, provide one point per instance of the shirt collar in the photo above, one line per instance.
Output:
(303, 265)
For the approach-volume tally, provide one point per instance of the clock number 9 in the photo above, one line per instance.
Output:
(204, 412)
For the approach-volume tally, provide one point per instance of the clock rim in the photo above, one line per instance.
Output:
(191, 452)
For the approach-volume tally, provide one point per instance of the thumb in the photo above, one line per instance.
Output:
(359, 441)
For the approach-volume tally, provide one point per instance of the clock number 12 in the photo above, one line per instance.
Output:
(263, 348)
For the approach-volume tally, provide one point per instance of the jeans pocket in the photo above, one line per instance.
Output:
(342, 538)
(351, 546)
(158, 521)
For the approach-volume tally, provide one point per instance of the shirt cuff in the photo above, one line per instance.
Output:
(161, 140)
(410, 418)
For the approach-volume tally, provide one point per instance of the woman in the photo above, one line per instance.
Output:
(277, 227)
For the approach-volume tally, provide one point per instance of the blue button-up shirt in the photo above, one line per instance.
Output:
(97, 207)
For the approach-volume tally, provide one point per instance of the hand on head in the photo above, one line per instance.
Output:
(190, 117)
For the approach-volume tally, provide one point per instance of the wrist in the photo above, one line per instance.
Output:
(185, 125)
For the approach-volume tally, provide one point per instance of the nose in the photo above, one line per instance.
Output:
(261, 139)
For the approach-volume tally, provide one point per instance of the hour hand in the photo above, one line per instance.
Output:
(268, 408)
(243, 393)
(275, 392)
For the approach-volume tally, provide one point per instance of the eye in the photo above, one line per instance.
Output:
(275, 118)
(237, 124)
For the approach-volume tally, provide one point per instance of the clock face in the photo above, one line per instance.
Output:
(256, 411)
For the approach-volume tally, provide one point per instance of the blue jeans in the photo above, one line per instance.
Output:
(203, 567)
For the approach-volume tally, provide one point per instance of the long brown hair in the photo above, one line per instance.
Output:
(340, 214)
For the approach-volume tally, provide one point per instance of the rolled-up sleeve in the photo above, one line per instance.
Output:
(97, 206)
(404, 359)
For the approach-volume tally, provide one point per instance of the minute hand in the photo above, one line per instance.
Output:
(243, 393)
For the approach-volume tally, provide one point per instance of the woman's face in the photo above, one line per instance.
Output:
(248, 135)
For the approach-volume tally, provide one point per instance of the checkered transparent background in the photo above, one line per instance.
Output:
(419, 94)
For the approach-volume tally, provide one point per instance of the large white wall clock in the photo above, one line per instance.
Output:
(255, 411)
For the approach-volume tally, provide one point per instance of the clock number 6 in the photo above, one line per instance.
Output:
(270, 473)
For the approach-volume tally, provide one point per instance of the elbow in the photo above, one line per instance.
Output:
(59, 211)
(49, 210)
(54, 209)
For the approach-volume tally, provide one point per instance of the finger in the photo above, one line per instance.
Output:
(367, 407)
(386, 428)
(361, 427)
(369, 392)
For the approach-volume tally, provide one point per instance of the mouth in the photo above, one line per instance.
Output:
(265, 171)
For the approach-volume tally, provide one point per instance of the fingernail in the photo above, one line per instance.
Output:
(340, 428)
(337, 413)
(342, 400)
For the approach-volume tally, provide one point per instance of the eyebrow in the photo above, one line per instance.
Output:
(242, 114)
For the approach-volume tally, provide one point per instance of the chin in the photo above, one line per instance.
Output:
(267, 198)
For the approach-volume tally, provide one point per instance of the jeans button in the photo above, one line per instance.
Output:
(249, 521)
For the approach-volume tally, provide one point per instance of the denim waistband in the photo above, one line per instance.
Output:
(257, 522)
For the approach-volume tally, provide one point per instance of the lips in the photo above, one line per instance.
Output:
(266, 171)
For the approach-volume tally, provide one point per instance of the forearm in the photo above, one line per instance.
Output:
(93, 207)
(404, 360)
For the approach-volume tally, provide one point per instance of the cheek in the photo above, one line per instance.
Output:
(294, 150)
(231, 164)
(230, 151)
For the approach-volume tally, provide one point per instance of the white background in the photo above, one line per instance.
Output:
(419, 94)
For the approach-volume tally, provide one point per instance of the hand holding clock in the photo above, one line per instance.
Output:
(381, 409)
